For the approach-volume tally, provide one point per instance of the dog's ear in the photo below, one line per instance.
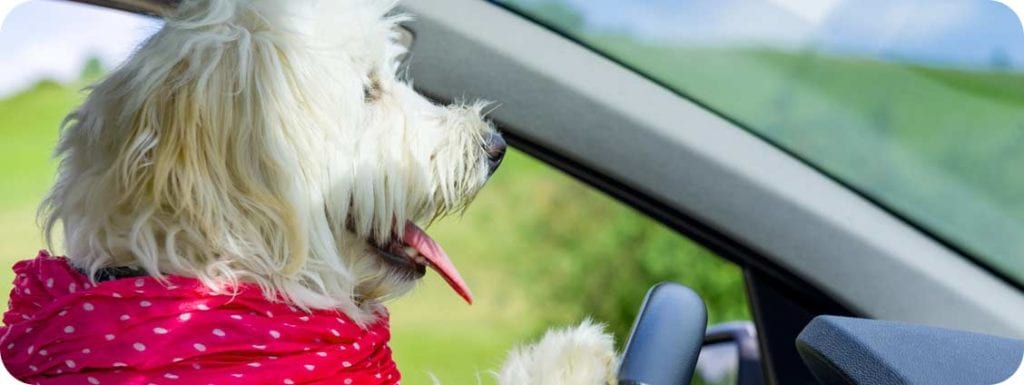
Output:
(189, 150)
(219, 160)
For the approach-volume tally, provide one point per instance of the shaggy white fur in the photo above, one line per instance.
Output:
(264, 141)
(582, 355)
(272, 142)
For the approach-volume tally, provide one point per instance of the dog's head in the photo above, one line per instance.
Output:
(271, 142)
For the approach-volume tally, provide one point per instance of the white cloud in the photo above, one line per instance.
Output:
(6, 6)
(52, 39)
(812, 11)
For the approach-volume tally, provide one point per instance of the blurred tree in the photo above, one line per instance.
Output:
(92, 70)
(999, 60)
(599, 257)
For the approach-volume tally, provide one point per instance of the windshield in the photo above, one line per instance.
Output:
(916, 104)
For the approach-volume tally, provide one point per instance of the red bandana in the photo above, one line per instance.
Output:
(61, 329)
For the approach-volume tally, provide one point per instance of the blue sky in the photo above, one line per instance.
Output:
(962, 33)
(52, 39)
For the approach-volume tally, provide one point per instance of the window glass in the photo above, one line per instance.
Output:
(917, 104)
(717, 364)
(538, 248)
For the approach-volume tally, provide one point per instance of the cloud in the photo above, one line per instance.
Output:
(811, 11)
(951, 33)
(52, 39)
(963, 34)
(696, 21)
(6, 6)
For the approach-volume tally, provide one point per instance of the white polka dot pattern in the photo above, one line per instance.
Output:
(141, 322)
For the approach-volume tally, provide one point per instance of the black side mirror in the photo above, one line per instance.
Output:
(730, 356)
(663, 347)
(856, 351)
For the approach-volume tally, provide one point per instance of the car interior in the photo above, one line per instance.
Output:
(842, 289)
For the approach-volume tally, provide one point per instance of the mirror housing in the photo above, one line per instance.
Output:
(730, 356)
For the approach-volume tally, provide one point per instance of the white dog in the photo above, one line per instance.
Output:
(271, 142)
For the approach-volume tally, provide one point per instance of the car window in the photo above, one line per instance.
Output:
(916, 104)
(537, 247)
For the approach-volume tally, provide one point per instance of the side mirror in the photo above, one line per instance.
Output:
(730, 356)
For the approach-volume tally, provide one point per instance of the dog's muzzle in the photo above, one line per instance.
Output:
(494, 146)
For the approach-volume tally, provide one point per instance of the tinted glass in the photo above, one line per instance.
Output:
(717, 364)
(916, 104)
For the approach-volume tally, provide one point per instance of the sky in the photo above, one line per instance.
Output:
(958, 33)
(52, 39)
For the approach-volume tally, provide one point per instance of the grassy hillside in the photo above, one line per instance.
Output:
(941, 146)
(29, 123)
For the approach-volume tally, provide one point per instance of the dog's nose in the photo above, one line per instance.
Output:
(495, 147)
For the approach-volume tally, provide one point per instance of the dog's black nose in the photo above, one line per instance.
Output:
(495, 147)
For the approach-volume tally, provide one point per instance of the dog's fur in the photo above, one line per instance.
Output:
(584, 355)
(272, 142)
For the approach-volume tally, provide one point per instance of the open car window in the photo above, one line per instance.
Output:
(915, 104)
(537, 247)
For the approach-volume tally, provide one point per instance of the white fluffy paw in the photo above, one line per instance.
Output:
(583, 355)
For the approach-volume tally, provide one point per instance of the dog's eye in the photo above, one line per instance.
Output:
(372, 91)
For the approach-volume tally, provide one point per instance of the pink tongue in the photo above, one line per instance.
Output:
(429, 249)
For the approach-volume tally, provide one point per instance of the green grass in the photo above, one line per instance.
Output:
(29, 131)
(29, 123)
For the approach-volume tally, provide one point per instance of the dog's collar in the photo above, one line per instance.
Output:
(117, 272)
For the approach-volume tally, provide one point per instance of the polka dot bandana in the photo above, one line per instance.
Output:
(62, 329)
